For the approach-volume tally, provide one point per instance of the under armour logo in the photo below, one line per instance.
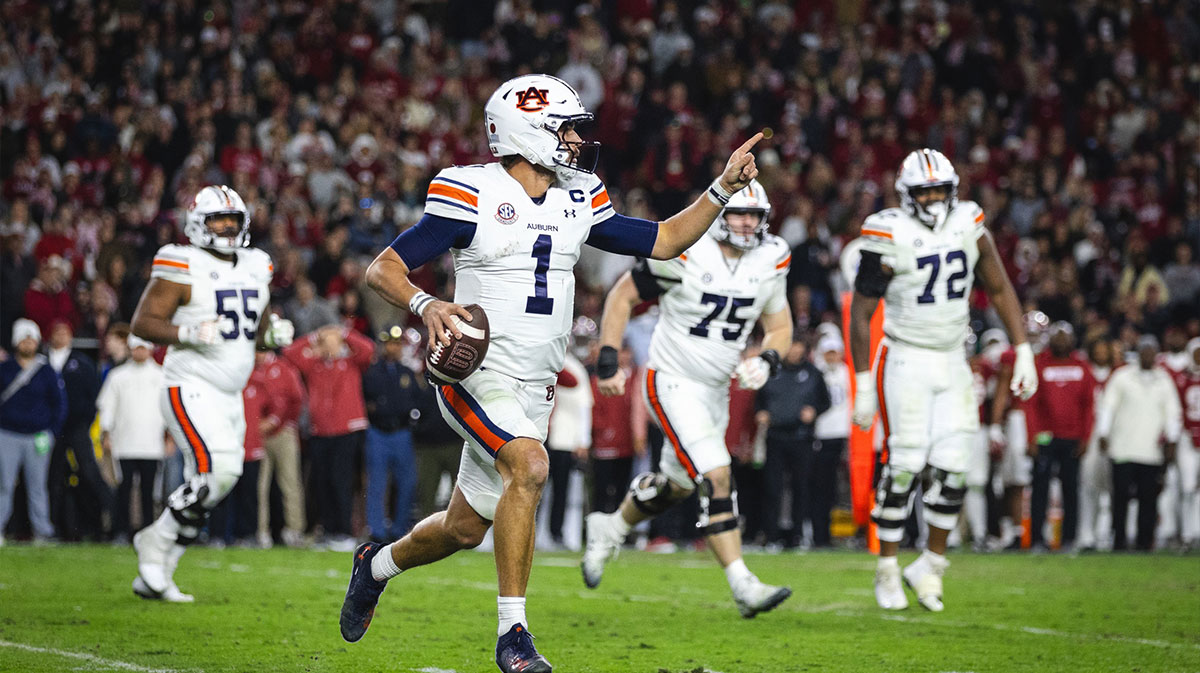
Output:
(568, 212)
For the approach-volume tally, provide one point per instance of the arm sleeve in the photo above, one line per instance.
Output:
(653, 278)
(871, 281)
(430, 237)
(172, 263)
(624, 235)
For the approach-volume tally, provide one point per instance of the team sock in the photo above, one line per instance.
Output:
(511, 610)
(736, 573)
(888, 562)
(619, 524)
(383, 566)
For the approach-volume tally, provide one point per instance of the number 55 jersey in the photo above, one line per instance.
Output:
(710, 304)
(232, 293)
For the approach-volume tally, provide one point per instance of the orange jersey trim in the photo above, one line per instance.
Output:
(439, 189)
(876, 232)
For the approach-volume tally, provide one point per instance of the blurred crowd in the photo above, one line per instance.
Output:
(1075, 126)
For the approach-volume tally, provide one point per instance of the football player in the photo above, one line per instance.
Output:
(515, 228)
(1187, 457)
(710, 298)
(921, 258)
(206, 301)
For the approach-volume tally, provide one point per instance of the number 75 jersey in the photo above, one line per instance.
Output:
(232, 293)
(709, 305)
(927, 302)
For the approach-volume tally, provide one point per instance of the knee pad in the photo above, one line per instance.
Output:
(710, 506)
(651, 493)
(893, 498)
(944, 498)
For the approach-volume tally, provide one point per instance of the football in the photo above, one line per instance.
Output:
(453, 362)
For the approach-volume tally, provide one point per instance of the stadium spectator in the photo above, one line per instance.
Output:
(281, 444)
(308, 310)
(1095, 468)
(80, 499)
(393, 404)
(618, 427)
(1141, 409)
(789, 405)
(17, 270)
(133, 436)
(332, 360)
(568, 439)
(33, 406)
(1059, 418)
(48, 300)
(439, 448)
(832, 432)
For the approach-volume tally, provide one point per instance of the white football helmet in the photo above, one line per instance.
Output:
(217, 200)
(923, 169)
(750, 200)
(526, 115)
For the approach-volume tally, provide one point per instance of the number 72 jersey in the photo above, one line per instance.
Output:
(927, 302)
(232, 293)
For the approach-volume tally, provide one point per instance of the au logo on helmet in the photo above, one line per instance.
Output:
(532, 99)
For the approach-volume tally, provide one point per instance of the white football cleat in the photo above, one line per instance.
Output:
(174, 595)
(152, 551)
(603, 545)
(141, 589)
(753, 597)
(924, 576)
(889, 594)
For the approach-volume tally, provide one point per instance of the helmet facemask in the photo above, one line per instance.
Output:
(934, 213)
(214, 239)
(213, 202)
(572, 157)
(723, 232)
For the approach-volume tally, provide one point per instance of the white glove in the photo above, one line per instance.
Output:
(1024, 376)
(204, 333)
(752, 373)
(280, 332)
(996, 434)
(865, 401)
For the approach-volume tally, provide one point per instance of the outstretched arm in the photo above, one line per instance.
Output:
(678, 232)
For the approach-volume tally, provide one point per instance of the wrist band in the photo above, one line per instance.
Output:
(717, 194)
(606, 362)
(772, 359)
(419, 301)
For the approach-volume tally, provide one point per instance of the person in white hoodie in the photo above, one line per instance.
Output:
(832, 430)
(134, 438)
(1141, 408)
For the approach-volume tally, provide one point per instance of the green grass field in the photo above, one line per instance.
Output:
(70, 608)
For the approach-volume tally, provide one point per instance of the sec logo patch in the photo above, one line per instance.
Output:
(506, 214)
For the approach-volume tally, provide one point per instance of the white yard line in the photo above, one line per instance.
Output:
(432, 669)
(1037, 631)
(89, 658)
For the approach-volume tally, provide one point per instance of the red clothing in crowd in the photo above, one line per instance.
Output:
(46, 307)
(618, 421)
(254, 399)
(285, 394)
(1188, 382)
(739, 435)
(335, 400)
(1064, 404)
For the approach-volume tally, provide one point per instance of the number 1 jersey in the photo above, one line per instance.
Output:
(710, 304)
(927, 302)
(520, 262)
(232, 293)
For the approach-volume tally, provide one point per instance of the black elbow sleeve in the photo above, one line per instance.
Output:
(871, 280)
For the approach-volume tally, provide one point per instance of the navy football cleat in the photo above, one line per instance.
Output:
(362, 595)
(515, 653)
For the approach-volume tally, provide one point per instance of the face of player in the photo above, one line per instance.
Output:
(742, 224)
(224, 226)
(569, 137)
(928, 195)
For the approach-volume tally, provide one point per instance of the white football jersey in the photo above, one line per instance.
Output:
(927, 301)
(520, 263)
(233, 293)
(710, 303)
